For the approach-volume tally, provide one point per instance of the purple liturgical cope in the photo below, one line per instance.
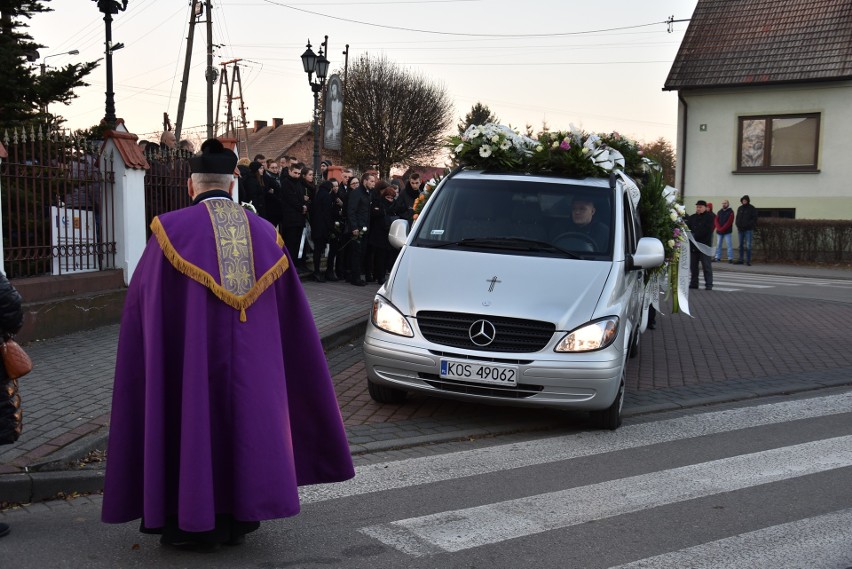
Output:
(223, 402)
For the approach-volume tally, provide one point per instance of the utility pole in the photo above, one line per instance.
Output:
(232, 128)
(193, 17)
(210, 74)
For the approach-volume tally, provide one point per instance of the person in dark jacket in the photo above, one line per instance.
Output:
(357, 220)
(272, 196)
(11, 320)
(724, 227)
(293, 209)
(702, 224)
(411, 191)
(746, 223)
(382, 213)
(254, 186)
(322, 223)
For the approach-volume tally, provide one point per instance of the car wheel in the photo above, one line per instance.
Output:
(610, 418)
(383, 394)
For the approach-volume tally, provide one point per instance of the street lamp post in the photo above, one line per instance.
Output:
(110, 7)
(44, 69)
(318, 64)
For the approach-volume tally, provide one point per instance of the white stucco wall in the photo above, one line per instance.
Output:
(711, 153)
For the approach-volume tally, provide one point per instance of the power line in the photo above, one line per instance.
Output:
(466, 34)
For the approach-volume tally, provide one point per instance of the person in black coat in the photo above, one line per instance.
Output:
(407, 197)
(293, 210)
(11, 320)
(357, 218)
(702, 223)
(322, 224)
(254, 186)
(272, 194)
(382, 213)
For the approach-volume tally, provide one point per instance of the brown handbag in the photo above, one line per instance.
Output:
(15, 359)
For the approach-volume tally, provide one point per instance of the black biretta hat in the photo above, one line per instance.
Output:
(214, 158)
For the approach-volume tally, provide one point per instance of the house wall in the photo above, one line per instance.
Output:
(707, 170)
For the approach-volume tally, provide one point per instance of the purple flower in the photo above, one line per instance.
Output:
(677, 231)
(565, 145)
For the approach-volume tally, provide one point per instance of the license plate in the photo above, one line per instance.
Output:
(496, 374)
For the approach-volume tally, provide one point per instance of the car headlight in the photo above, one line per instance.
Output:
(592, 336)
(386, 317)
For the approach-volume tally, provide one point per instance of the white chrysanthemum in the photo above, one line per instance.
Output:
(495, 138)
(539, 148)
(671, 243)
(585, 150)
(505, 145)
(673, 216)
(485, 151)
(555, 144)
(474, 132)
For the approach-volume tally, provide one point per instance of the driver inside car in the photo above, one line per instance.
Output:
(583, 232)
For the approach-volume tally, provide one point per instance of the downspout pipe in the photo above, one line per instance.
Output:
(683, 153)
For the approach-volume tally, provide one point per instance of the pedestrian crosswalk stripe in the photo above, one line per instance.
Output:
(740, 285)
(451, 466)
(822, 541)
(462, 529)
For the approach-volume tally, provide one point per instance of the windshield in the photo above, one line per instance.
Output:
(520, 217)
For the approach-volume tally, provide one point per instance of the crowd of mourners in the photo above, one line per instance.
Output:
(346, 221)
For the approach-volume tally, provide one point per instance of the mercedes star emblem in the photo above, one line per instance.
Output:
(482, 332)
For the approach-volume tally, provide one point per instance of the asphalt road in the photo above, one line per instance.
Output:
(762, 484)
(813, 288)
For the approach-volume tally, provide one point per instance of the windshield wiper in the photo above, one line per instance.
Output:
(515, 243)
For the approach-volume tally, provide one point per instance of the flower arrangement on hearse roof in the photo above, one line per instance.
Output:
(577, 154)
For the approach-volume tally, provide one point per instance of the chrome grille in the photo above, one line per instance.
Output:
(512, 334)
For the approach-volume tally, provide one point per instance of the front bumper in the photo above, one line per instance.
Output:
(587, 381)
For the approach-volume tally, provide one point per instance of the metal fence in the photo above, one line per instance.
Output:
(57, 204)
(165, 182)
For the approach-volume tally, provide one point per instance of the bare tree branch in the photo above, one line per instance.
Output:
(393, 116)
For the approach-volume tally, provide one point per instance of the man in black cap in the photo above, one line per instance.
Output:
(223, 404)
(702, 225)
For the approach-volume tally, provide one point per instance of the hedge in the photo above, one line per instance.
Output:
(820, 240)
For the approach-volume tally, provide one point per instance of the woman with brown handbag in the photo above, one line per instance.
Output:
(11, 320)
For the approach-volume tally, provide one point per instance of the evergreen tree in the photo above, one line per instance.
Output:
(25, 90)
(479, 114)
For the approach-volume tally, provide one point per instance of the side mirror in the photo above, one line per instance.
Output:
(398, 233)
(649, 254)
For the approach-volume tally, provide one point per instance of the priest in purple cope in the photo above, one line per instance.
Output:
(223, 404)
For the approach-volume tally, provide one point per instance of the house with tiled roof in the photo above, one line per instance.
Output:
(277, 139)
(765, 106)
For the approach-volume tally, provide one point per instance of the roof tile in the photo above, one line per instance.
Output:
(745, 42)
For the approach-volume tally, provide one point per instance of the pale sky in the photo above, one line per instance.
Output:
(598, 65)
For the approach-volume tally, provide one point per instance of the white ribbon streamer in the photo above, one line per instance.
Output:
(706, 249)
(683, 279)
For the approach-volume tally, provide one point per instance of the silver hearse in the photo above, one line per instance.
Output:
(514, 289)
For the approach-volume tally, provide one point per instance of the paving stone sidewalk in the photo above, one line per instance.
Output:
(738, 347)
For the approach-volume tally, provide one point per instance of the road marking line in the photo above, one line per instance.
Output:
(467, 528)
(743, 285)
(818, 542)
(426, 470)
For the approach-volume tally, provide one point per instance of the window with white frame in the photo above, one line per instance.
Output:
(786, 143)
